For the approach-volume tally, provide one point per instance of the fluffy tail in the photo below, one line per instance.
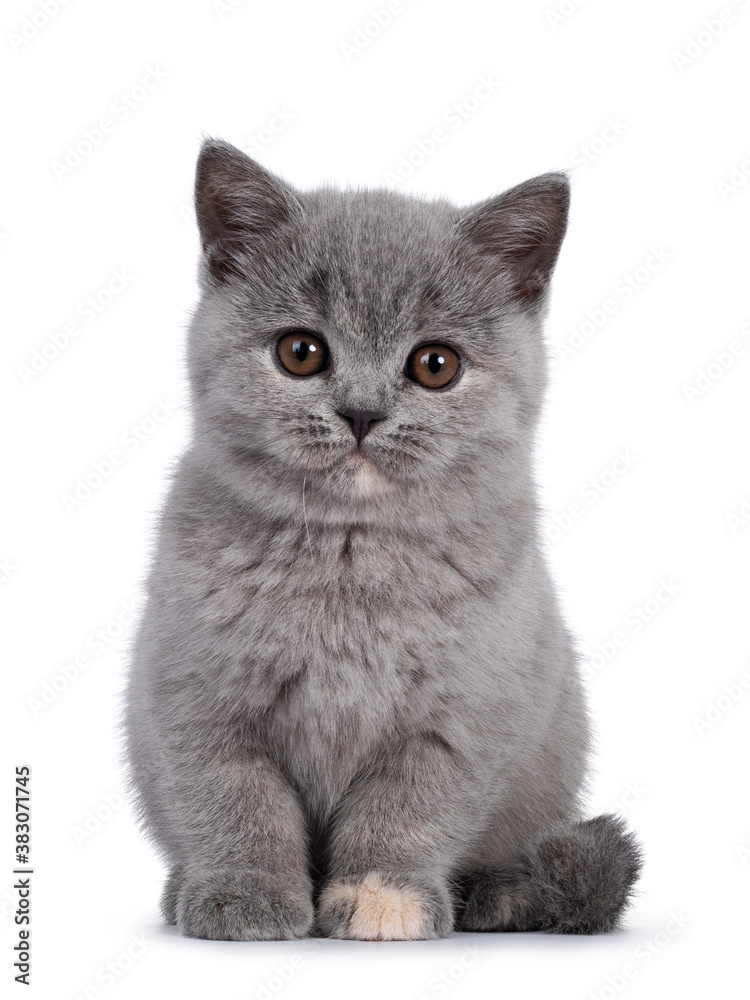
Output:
(577, 878)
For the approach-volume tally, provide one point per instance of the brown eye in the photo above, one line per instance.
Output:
(302, 353)
(433, 365)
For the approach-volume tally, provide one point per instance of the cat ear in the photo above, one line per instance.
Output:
(240, 208)
(519, 233)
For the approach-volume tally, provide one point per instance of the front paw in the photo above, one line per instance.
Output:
(378, 907)
(229, 905)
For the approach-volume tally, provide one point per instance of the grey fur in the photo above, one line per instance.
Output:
(349, 667)
(575, 879)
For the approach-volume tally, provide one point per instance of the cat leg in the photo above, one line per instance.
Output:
(243, 847)
(393, 844)
(577, 878)
(168, 901)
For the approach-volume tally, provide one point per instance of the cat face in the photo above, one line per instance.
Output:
(367, 342)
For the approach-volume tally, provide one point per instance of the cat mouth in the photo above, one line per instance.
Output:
(357, 456)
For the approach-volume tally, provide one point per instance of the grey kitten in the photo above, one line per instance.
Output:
(353, 707)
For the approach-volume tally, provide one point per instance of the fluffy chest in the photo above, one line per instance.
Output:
(329, 603)
(335, 644)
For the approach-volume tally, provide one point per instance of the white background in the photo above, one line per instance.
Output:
(654, 128)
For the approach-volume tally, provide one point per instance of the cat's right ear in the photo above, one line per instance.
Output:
(240, 207)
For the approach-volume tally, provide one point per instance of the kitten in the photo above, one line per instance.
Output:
(353, 708)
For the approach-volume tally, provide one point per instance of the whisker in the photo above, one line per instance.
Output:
(304, 515)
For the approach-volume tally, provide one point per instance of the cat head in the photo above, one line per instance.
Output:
(373, 346)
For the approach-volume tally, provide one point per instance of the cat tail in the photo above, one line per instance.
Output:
(577, 878)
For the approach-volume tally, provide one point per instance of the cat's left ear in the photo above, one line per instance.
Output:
(243, 210)
(518, 234)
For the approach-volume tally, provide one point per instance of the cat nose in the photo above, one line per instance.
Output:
(360, 421)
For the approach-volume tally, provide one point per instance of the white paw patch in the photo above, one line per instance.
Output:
(380, 912)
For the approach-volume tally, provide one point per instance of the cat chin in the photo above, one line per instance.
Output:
(364, 476)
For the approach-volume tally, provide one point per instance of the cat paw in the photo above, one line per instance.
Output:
(379, 908)
(228, 905)
(500, 899)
